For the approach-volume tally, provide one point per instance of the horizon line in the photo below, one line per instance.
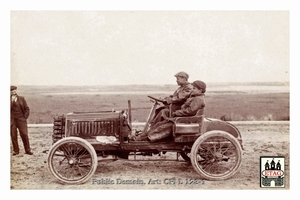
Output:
(167, 84)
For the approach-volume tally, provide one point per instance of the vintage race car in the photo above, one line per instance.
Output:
(82, 139)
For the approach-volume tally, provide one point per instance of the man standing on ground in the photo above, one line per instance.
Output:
(19, 112)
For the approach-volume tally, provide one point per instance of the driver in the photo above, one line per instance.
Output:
(176, 100)
(192, 105)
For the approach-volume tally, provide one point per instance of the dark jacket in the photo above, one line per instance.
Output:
(191, 106)
(23, 105)
(181, 94)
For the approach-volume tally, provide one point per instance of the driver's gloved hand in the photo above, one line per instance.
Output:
(164, 100)
(168, 100)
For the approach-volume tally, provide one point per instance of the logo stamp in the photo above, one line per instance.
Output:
(272, 171)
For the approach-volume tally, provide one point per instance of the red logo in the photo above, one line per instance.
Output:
(272, 173)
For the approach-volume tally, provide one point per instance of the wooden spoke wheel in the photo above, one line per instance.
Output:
(72, 160)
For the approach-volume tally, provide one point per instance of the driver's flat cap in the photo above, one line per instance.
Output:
(182, 74)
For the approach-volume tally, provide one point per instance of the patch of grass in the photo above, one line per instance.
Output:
(235, 107)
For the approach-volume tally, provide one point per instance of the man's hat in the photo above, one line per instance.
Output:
(199, 85)
(182, 74)
(12, 87)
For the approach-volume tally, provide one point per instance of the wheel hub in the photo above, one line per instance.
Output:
(220, 157)
(72, 161)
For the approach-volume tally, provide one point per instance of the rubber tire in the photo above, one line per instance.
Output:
(84, 144)
(200, 140)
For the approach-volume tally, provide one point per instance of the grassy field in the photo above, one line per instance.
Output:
(235, 102)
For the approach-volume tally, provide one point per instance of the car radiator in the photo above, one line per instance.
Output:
(93, 128)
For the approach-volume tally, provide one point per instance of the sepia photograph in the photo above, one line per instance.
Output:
(149, 99)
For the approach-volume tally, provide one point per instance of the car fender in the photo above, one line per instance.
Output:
(210, 124)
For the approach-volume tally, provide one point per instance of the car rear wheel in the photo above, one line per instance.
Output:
(216, 155)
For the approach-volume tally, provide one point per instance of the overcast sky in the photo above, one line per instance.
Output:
(82, 48)
(148, 47)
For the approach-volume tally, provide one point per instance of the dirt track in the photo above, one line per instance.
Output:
(31, 172)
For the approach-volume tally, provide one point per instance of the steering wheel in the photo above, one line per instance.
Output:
(155, 99)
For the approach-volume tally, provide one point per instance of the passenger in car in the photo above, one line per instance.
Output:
(163, 129)
(176, 99)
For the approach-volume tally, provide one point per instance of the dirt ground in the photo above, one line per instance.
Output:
(31, 172)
